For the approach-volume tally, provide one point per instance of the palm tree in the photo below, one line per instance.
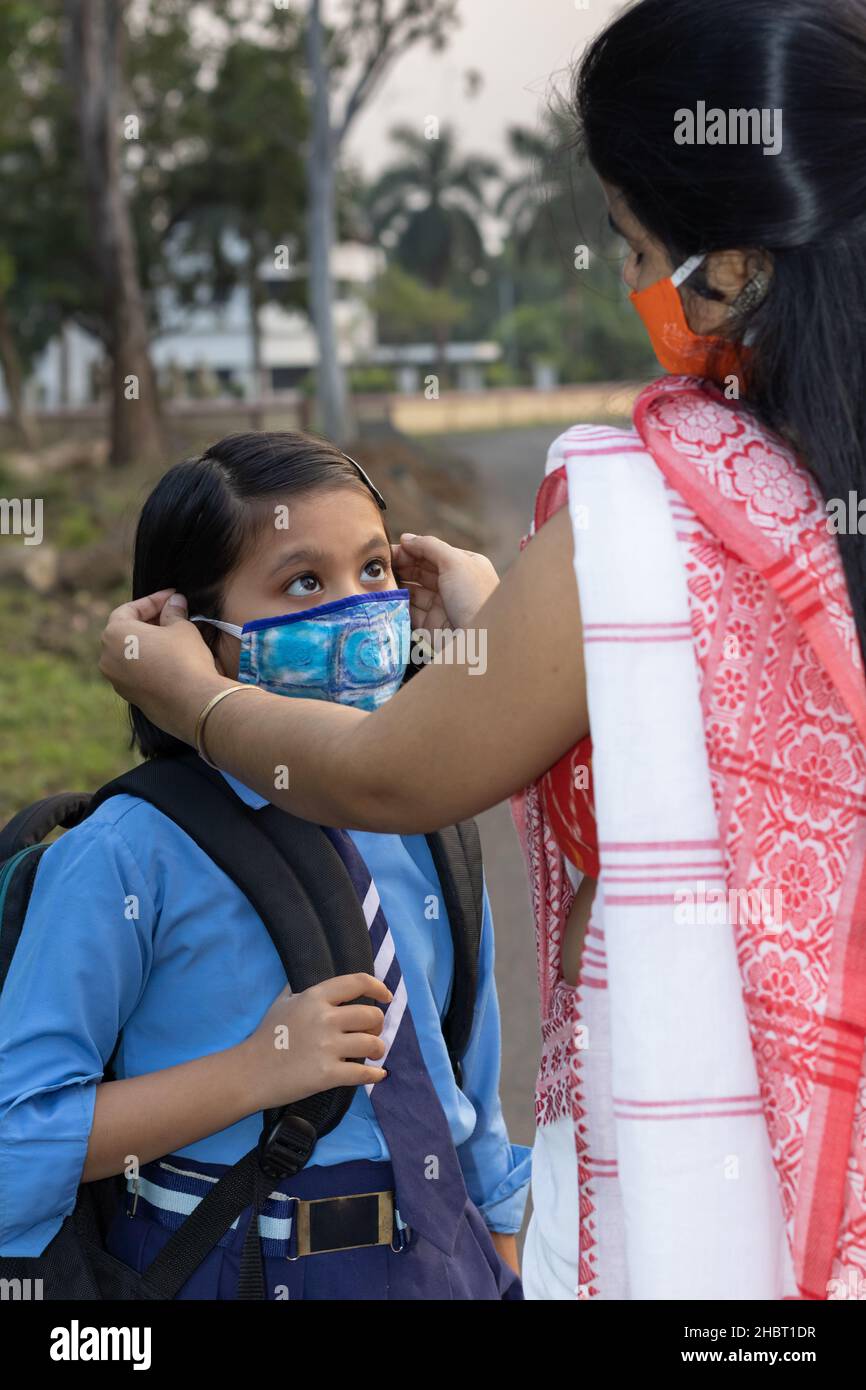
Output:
(430, 203)
(552, 199)
(432, 200)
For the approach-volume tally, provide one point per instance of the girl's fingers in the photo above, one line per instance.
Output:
(342, 989)
(361, 1046)
(356, 1074)
(361, 1018)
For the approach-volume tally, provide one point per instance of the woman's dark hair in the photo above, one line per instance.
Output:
(203, 513)
(805, 205)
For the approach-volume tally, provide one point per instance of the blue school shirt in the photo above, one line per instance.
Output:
(132, 927)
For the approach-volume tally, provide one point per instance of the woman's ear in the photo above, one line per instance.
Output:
(737, 281)
(730, 273)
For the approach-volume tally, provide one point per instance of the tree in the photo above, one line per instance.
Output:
(249, 180)
(435, 199)
(439, 234)
(27, 235)
(389, 28)
(560, 252)
(11, 364)
(406, 307)
(96, 34)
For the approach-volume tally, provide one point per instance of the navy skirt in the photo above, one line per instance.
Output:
(169, 1187)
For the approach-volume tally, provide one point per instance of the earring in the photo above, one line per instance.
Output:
(751, 294)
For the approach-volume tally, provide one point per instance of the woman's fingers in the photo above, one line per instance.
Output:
(411, 570)
(141, 610)
(429, 551)
(174, 611)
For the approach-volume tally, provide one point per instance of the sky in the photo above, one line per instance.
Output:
(519, 47)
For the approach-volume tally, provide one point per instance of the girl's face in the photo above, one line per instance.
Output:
(333, 545)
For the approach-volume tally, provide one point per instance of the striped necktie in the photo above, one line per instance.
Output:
(430, 1191)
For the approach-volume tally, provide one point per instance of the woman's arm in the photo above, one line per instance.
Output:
(450, 744)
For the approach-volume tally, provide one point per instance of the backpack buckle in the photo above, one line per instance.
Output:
(284, 1151)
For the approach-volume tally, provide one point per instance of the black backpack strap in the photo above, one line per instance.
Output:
(206, 1224)
(263, 865)
(323, 877)
(17, 876)
(31, 825)
(456, 852)
(200, 801)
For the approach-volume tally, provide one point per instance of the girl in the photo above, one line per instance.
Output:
(262, 527)
(702, 1095)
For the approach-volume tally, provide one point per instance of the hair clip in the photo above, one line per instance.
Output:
(370, 484)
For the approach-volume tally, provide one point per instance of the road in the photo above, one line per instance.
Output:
(508, 467)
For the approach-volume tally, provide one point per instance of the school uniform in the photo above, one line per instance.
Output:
(133, 930)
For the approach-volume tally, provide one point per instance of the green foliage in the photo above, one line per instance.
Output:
(60, 729)
(77, 527)
(222, 126)
(372, 379)
(501, 374)
(408, 309)
(440, 235)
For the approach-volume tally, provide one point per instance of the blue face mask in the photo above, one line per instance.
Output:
(353, 651)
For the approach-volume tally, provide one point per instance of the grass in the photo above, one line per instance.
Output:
(61, 729)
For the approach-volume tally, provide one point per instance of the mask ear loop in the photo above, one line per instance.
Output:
(686, 269)
(231, 628)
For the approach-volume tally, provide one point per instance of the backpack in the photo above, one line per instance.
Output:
(295, 880)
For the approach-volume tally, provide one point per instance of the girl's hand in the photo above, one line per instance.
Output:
(447, 585)
(159, 661)
(316, 1040)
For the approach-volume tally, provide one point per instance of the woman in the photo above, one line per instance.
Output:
(701, 1095)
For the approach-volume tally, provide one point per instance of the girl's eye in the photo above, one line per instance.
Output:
(380, 565)
(303, 585)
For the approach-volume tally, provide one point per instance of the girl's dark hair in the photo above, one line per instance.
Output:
(203, 513)
(806, 205)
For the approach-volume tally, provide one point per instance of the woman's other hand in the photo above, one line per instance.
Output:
(152, 655)
(447, 585)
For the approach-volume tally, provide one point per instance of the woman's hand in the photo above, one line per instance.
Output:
(315, 1040)
(447, 585)
(159, 661)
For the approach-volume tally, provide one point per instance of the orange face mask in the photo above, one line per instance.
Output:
(678, 348)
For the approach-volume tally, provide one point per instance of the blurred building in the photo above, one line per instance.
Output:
(207, 350)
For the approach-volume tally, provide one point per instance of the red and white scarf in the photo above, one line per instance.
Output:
(718, 1102)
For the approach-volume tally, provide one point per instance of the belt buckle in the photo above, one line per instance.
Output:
(303, 1220)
